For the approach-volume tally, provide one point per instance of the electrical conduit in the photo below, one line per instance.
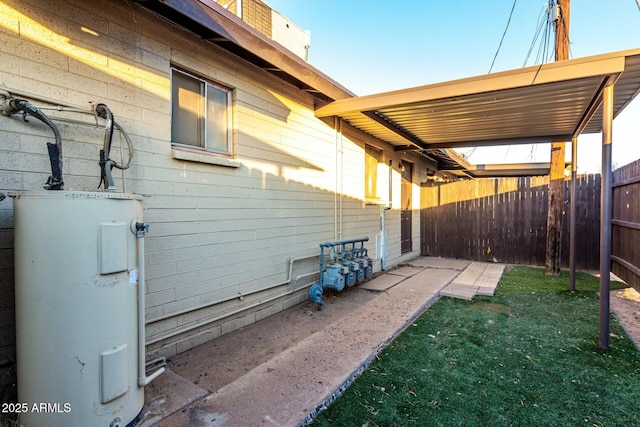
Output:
(12, 106)
(100, 110)
(200, 323)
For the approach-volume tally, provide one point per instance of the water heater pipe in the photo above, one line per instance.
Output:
(143, 379)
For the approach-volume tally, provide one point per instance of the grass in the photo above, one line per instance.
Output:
(527, 356)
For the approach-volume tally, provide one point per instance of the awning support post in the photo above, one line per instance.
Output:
(572, 217)
(605, 214)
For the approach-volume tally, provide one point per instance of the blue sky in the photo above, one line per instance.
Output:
(373, 46)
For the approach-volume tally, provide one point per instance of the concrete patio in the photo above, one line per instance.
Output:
(283, 370)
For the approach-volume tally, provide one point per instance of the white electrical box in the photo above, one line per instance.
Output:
(112, 247)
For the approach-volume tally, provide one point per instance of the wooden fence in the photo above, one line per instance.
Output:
(625, 224)
(505, 220)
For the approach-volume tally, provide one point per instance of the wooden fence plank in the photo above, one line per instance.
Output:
(506, 219)
(625, 224)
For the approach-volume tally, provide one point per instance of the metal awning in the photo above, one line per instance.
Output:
(545, 103)
(506, 170)
(459, 166)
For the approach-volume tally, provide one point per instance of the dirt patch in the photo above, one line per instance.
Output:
(625, 306)
(493, 307)
(223, 360)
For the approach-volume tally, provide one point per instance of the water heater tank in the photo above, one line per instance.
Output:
(76, 308)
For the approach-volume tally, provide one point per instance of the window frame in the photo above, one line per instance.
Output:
(205, 84)
(372, 154)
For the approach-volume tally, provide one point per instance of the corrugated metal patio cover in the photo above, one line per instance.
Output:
(550, 102)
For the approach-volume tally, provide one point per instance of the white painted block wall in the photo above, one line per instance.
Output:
(217, 233)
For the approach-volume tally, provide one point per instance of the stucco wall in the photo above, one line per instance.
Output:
(217, 233)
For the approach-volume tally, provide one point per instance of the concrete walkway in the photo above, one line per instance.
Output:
(479, 278)
(300, 379)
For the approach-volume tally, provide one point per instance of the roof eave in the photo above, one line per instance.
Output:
(213, 23)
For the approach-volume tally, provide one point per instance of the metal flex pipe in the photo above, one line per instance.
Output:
(13, 106)
(105, 162)
(98, 110)
(143, 379)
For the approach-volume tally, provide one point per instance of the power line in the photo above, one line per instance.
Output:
(539, 26)
(544, 30)
(543, 34)
(504, 34)
(544, 50)
(549, 46)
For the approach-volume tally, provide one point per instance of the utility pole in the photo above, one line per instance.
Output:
(556, 172)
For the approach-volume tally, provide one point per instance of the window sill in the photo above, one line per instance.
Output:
(377, 202)
(203, 157)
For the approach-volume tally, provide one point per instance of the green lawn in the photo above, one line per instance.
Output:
(527, 356)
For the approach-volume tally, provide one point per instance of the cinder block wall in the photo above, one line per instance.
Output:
(217, 233)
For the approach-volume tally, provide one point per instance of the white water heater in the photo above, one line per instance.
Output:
(76, 280)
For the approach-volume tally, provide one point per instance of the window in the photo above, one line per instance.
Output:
(200, 113)
(371, 158)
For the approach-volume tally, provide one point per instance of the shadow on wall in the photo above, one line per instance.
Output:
(215, 230)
